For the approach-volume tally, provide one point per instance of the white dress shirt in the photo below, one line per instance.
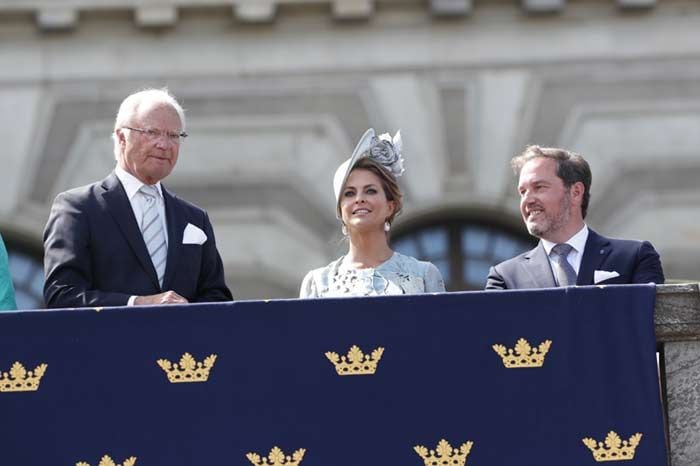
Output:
(577, 243)
(132, 185)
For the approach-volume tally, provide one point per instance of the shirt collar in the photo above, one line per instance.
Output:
(578, 241)
(131, 183)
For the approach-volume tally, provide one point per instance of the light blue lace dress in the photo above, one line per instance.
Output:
(398, 275)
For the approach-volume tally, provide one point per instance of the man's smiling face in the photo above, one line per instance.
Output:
(545, 203)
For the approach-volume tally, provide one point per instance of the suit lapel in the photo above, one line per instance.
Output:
(176, 226)
(119, 207)
(596, 250)
(536, 264)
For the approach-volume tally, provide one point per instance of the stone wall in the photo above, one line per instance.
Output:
(678, 333)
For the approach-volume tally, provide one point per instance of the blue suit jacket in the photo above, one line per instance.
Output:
(635, 261)
(94, 253)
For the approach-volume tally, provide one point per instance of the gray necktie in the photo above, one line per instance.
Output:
(152, 230)
(566, 276)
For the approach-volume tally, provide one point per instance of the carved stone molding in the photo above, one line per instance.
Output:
(64, 14)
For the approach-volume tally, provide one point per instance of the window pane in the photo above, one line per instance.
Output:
(475, 272)
(20, 267)
(36, 285)
(406, 246)
(505, 248)
(434, 242)
(444, 266)
(475, 241)
(26, 301)
(28, 278)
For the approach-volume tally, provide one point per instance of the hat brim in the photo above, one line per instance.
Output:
(343, 171)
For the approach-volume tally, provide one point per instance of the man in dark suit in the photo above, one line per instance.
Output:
(554, 186)
(126, 240)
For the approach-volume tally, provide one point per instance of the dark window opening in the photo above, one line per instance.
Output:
(462, 249)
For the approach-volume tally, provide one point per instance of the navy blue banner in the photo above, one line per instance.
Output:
(578, 368)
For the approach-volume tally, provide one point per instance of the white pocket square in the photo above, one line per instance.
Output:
(602, 275)
(193, 235)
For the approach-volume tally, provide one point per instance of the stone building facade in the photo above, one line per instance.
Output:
(278, 91)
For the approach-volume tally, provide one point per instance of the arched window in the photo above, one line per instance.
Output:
(27, 273)
(463, 249)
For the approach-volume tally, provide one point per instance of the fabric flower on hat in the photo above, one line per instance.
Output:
(387, 151)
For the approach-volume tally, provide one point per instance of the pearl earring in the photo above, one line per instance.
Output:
(387, 226)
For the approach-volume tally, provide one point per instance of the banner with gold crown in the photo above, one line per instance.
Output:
(544, 377)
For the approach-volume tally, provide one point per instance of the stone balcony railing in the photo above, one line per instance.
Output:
(677, 321)
(65, 14)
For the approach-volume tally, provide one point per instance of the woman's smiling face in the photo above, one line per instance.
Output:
(363, 202)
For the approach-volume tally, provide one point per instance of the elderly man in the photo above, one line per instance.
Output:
(554, 187)
(126, 240)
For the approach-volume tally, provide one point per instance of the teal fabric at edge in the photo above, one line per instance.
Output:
(7, 290)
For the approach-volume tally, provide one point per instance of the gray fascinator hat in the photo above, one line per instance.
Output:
(382, 149)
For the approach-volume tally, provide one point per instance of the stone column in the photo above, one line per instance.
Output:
(677, 319)
(683, 401)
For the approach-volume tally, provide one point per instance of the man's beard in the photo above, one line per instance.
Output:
(552, 224)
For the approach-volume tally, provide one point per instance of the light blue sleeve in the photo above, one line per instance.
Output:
(7, 290)
(308, 287)
(433, 279)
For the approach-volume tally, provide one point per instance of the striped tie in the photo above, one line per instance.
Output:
(152, 231)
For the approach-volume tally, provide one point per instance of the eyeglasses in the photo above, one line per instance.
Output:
(152, 133)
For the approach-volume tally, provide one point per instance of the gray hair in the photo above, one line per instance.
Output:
(130, 105)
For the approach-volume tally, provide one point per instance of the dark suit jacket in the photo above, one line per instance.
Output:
(635, 261)
(94, 253)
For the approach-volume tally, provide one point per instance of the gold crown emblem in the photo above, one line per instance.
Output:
(444, 454)
(188, 370)
(356, 362)
(614, 449)
(277, 458)
(18, 379)
(524, 355)
(107, 461)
